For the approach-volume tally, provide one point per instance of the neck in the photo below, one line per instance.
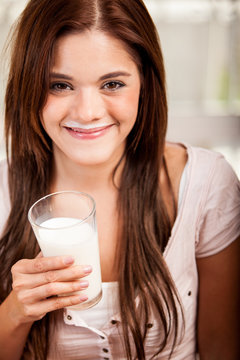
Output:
(68, 175)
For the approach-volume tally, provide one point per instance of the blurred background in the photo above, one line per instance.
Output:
(201, 45)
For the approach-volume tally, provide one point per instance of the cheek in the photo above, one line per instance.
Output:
(51, 112)
(130, 107)
(47, 111)
(126, 108)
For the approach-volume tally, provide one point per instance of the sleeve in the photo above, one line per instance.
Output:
(4, 196)
(219, 223)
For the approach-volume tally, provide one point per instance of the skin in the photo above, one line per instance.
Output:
(93, 97)
(84, 89)
(218, 308)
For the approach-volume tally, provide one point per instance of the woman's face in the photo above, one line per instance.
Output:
(93, 98)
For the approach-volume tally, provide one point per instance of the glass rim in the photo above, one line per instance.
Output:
(58, 193)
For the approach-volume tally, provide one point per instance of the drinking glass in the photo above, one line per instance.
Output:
(64, 223)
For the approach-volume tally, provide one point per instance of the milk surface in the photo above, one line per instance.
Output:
(67, 236)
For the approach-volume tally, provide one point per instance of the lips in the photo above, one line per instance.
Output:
(85, 128)
(89, 131)
(86, 131)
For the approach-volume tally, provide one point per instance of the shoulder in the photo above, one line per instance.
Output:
(211, 170)
(207, 170)
(4, 194)
(205, 157)
(211, 201)
(175, 154)
(204, 166)
(215, 188)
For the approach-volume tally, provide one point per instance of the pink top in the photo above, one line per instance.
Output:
(207, 222)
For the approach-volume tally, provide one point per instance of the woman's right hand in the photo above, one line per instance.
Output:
(39, 286)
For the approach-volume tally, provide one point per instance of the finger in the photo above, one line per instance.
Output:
(42, 264)
(71, 273)
(31, 296)
(38, 310)
(64, 301)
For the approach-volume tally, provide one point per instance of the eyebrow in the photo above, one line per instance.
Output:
(104, 77)
(114, 75)
(60, 76)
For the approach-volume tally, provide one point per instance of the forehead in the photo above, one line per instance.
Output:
(89, 48)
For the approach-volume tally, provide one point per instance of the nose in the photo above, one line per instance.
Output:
(87, 106)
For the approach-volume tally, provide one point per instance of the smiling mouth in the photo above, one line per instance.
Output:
(88, 131)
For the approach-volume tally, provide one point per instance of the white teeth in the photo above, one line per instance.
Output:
(73, 124)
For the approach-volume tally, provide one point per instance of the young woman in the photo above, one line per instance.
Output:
(86, 110)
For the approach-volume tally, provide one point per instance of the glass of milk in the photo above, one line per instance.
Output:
(65, 224)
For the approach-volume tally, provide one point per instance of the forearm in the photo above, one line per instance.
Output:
(13, 335)
(215, 354)
(231, 352)
(218, 307)
(220, 346)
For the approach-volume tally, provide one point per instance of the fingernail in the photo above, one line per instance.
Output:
(87, 269)
(83, 297)
(68, 260)
(84, 284)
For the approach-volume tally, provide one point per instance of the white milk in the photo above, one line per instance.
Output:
(66, 236)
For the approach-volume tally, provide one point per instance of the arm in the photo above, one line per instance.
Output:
(13, 336)
(219, 305)
(35, 286)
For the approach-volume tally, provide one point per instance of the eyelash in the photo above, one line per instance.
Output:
(118, 85)
(65, 87)
(54, 86)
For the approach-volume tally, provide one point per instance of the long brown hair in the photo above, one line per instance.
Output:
(145, 224)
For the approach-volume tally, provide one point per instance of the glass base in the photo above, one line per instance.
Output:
(87, 304)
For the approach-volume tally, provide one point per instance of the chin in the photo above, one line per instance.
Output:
(98, 156)
(92, 160)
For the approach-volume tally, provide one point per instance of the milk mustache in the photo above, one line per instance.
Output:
(68, 236)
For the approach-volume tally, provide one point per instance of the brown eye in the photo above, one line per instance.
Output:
(60, 86)
(113, 85)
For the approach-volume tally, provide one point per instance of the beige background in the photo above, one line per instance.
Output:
(201, 45)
